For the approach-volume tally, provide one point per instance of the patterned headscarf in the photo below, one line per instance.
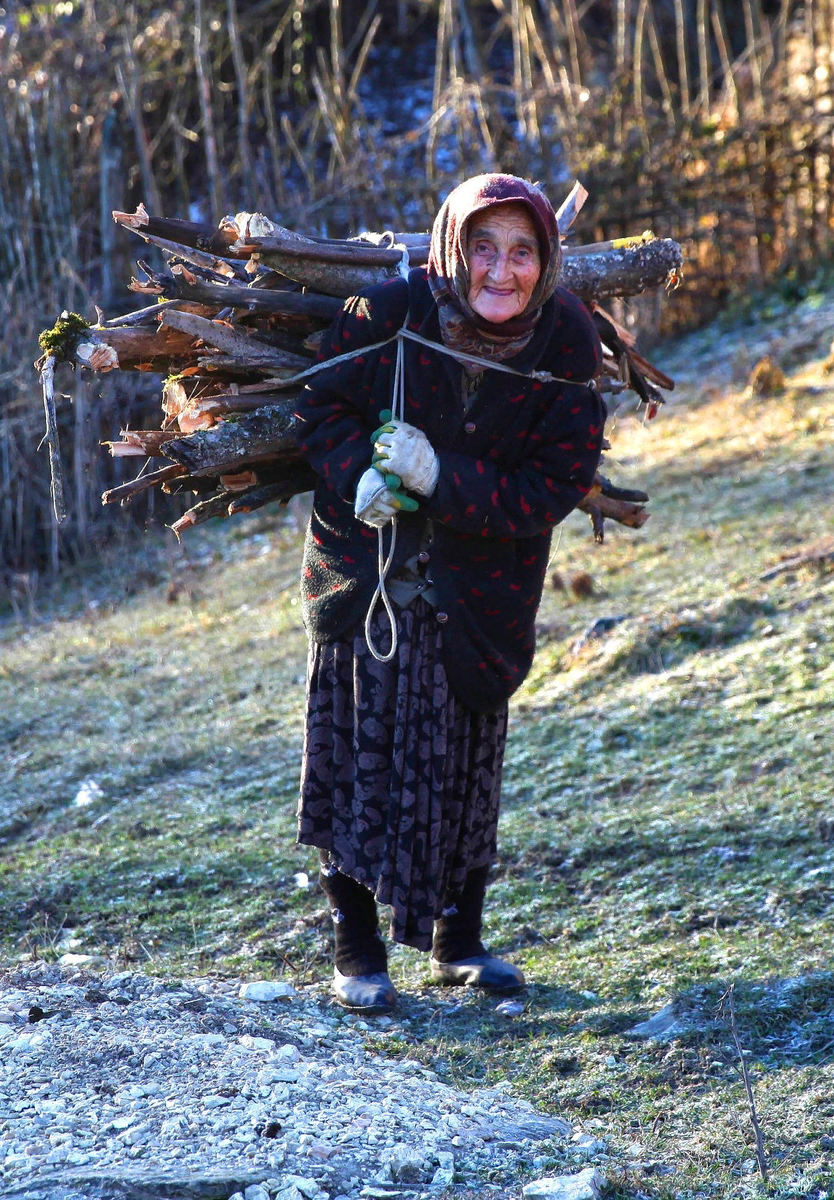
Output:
(448, 270)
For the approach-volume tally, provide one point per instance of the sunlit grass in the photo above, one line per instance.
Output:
(667, 826)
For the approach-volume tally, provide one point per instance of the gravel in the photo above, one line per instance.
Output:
(126, 1087)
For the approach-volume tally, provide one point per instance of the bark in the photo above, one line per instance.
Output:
(144, 347)
(267, 300)
(234, 444)
(342, 268)
(126, 491)
(625, 271)
(247, 350)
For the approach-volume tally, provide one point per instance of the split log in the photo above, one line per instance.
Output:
(244, 349)
(599, 505)
(141, 443)
(234, 444)
(136, 348)
(297, 478)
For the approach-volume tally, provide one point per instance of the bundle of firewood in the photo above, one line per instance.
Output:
(235, 320)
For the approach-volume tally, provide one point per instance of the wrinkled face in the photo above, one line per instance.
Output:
(502, 252)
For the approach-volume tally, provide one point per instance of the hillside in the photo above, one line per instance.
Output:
(667, 825)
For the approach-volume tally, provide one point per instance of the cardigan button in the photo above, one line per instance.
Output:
(442, 617)
(470, 427)
(423, 556)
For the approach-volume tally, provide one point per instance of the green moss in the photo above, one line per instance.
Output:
(60, 341)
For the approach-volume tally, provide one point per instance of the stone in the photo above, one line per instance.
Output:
(256, 1191)
(510, 1008)
(586, 1185)
(408, 1164)
(444, 1176)
(289, 1193)
(265, 990)
(662, 1027)
(307, 1187)
(587, 1144)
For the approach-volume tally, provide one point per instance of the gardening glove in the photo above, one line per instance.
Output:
(376, 503)
(404, 450)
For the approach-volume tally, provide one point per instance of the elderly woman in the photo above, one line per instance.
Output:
(402, 760)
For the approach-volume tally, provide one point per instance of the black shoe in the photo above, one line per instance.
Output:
(480, 971)
(370, 995)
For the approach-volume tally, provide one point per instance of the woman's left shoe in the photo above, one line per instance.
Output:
(480, 971)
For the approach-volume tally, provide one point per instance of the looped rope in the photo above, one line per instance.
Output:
(383, 563)
(398, 413)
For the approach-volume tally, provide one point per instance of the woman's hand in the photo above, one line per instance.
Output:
(376, 503)
(404, 450)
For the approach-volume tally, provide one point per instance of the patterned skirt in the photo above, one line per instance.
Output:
(400, 781)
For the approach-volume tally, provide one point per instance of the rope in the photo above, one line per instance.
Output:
(383, 563)
(398, 413)
(471, 360)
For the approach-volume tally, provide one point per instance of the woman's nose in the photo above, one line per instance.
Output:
(499, 267)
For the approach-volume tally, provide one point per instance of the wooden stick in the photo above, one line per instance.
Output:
(126, 491)
(56, 471)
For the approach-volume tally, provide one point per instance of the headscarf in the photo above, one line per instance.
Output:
(448, 270)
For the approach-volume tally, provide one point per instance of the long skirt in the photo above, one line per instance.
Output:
(400, 781)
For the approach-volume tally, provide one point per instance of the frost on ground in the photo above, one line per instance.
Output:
(125, 1086)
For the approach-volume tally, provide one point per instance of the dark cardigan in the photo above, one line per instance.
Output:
(513, 463)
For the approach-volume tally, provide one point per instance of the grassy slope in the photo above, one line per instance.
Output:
(667, 826)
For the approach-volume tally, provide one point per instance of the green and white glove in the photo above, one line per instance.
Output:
(376, 503)
(404, 450)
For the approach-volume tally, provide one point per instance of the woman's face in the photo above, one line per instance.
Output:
(502, 252)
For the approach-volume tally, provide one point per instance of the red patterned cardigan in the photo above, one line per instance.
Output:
(513, 464)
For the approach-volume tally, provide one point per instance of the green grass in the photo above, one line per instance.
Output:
(667, 826)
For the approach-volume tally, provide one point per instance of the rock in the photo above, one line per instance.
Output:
(256, 1191)
(80, 960)
(587, 1185)
(662, 1027)
(444, 1176)
(408, 1164)
(510, 1008)
(128, 1183)
(265, 990)
(191, 1092)
(307, 1187)
(587, 1144)
(289, 1193)
(597, 630)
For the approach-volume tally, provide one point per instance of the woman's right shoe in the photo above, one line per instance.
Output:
(370, 995)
